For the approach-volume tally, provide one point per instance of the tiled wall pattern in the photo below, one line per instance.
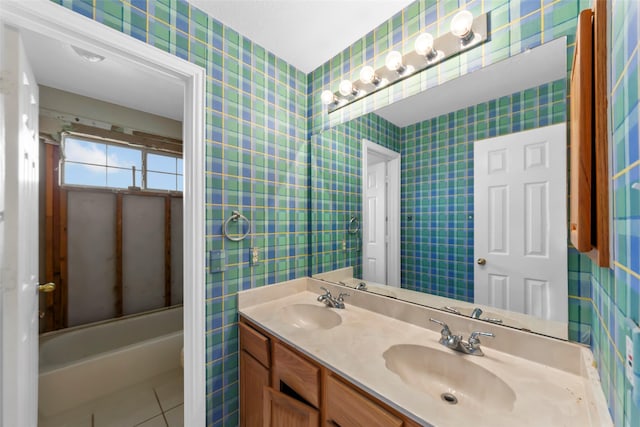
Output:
(437, 184)
(515, 26)
(261, 112)
(337, 187)
(257, 162)
(437, 193)
(616, 293)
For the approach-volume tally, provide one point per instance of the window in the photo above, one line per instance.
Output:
(94, 163)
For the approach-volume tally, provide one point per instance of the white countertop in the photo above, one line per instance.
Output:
(545, 395)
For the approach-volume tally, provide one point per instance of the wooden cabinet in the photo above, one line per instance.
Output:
(296, 373)
(281, 387)
(255, 363)
(281, 410)
(254, 377)
(347, 407)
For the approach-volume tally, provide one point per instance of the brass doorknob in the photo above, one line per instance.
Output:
(481, 261)
(47, 287)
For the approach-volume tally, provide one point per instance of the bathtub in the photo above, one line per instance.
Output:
(87, 362)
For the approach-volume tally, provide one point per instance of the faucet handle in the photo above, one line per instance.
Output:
(342, 295)
(446, 332)
(474, 340)
(321, 298)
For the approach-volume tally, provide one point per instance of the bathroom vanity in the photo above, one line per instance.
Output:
(379, 362)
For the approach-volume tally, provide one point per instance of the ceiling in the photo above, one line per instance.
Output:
(113, 80)
(304, 33)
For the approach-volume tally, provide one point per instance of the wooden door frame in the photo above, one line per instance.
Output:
(54, 21)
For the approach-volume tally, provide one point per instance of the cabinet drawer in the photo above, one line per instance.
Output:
(297, 373)
(347, 407)
(256, 344)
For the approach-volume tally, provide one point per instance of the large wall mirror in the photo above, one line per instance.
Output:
(422, 200)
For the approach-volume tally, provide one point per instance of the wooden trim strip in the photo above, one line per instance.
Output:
(158, 144)
(49, 227)
(600, 203)
(64, 265)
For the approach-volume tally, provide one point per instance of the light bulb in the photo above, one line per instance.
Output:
(327, 97)
(346, 88)
(368, 75)
(394, 61)
(424, 45)
(461, 25)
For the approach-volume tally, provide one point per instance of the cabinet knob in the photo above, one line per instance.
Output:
(481, 261)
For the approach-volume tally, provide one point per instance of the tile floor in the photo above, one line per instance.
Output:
(157, 402)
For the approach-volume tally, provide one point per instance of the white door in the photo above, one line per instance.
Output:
(520, 254)
(375, 262)
(20, 240)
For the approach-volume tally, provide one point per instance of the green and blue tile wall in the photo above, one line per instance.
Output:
(515, 26)
(616, 291)
(337, 189)
(437, 184)
(261, 113)
(257, 162)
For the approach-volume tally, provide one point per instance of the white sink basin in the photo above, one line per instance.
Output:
(450, 377)
(308, 316)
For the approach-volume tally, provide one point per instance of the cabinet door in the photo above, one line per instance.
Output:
(300, 375)
(253, 379)
(346, 407)
(281, 410)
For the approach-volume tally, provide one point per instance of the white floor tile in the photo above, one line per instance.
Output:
(128, 407)
(170, 392)
(175, 417)
(154, 422)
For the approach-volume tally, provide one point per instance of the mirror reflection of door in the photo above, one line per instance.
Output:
(375, 233)
(520, 253)
(381, 214)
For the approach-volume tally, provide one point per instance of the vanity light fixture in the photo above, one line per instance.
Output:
(461, 26)
(466, 33)
(368, 75)
(328, 97)
(346, 88)
(87, 55)
(394, 62)
(424, 47)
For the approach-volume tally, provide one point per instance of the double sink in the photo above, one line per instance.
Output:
(441, 374)
(390, 349)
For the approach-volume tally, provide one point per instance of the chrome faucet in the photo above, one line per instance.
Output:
(362, 286)
(330, 301)
(477, 312)
(455, 342)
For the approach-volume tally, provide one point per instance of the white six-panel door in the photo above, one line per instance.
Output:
(520, 253)
(19, 274)
(375, 230)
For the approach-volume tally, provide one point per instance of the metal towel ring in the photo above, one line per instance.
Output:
(353, 222)
(235, 216)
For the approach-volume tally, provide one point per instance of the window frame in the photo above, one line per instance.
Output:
(144, 150)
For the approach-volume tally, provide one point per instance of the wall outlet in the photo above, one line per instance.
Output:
(344, 245)
(254, 255)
